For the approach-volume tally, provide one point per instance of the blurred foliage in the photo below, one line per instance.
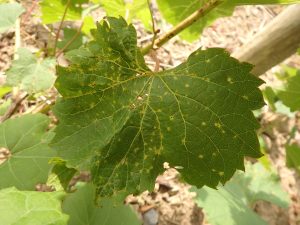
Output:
(232, 204)
(9, 13)
(30, 73)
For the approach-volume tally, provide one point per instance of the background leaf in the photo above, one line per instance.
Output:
(9, 14)
(53, 10)
(27, 140)
(174, 11)
(135, 9)
(30, 74)
(68, 36)
(31, 208)
(235, 199)
(291, 95)
(293, 156)
(125, 121)
(81, 208)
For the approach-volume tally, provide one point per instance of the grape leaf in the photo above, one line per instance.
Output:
(291, 95)
(88, 24)
(124, 120)
(63, 173)
(135, 9)
(27, 141)
(236, 197)
(81, 209)
(31, 208)
(293, 157)
(30, 74)
(174, 11)
(53, 10)
(9, 14)
(4, 90)
(69, 34)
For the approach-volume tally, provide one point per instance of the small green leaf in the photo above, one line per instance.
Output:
(63, 173)
(293, 157)
(125, 121)
(53, 10)
(174, 11)
(30, 74)
(88, 25)
(31, 208)
(9, 13)
(27, 141)
(80, 206)
(4, 90)
(135, 9)
(235, 199)
(69, 34)
(270, 96)
(291, 95)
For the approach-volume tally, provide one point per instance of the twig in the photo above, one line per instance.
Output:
(60, 25)
(206, 8)
(13, 108)
(70, 41)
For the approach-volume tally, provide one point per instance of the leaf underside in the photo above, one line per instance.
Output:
(124, 121)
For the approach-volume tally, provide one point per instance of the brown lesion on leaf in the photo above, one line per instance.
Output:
(4, 154)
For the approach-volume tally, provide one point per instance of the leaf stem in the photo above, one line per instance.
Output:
(206, 8)
(60, 25)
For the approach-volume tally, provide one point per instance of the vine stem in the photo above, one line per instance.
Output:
(206, 8)
(60, 25)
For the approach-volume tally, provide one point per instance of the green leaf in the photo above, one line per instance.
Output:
(4, 90)
(9, 14)
(69, 34)
(30, 74)
(53, 10)
(270, 96)
(291, 95)
(125, 121)
(234, 200)
(293, 157)
(88, 25)
(63, 173)
(174, 11)
(31, 208)
(135, 9)
(80, 206)
(27, 141)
